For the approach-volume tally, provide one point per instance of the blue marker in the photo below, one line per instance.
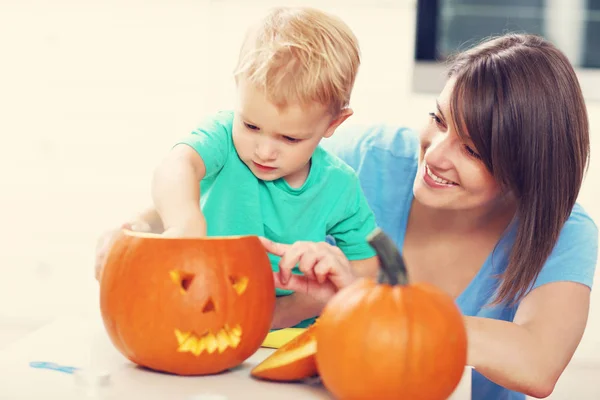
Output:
(52, 366)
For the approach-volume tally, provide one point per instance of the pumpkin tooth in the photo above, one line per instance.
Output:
(181, 336)
(231, 338)
(234, 340)
(236, 330)
(210, 341)
(189, 345)
(199, 348)
(223, 340)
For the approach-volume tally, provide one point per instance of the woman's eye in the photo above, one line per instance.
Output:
(250, 126)
(472, 152)
(437, 119)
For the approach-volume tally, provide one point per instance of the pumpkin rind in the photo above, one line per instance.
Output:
(293, 361)
(187, 306)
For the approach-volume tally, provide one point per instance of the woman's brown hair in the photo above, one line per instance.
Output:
(519, 100)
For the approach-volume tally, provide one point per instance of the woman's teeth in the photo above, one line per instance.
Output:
(437, 179)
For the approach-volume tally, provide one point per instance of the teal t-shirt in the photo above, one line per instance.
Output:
(330, 203)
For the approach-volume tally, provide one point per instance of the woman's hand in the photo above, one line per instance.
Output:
(326, 269)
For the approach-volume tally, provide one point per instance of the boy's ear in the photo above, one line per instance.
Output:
(342, 116)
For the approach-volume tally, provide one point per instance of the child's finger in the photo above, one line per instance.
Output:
(323, 269)
(307, 263)
(277, 249)
(295, 282)
(290, 259)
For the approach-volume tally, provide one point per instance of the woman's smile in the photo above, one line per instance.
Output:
(435, 181)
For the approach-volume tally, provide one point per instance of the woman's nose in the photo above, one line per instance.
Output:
(438, 154)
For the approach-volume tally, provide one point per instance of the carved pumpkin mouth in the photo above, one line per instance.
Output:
(225, 338)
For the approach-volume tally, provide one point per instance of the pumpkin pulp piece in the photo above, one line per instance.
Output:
(293, 361)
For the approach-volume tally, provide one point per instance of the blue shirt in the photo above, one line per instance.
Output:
(385, 159)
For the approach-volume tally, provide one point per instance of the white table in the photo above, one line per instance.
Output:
(82, 342)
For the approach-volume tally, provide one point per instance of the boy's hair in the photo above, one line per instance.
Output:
(301, 55)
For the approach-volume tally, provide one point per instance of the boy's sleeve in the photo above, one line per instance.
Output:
(357, 222)
(212, 141)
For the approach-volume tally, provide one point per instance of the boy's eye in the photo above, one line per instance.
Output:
(250, 126)
(291, 139)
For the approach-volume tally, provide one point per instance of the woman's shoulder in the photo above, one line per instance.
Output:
(575, 254)
(355, 144)
(580, 218)
(579, 230)
(385, 159)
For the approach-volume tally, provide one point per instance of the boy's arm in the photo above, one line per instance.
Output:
(176, 192)
(352, 229)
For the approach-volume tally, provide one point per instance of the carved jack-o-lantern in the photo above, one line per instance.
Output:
(187, 306)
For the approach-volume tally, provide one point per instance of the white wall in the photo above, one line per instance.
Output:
(92, 94)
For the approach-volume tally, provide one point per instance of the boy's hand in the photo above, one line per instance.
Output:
(325, 267)
(196, 227)
(106, 240)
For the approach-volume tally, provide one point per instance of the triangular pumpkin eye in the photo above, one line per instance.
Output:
(183, 279)
(239, 284)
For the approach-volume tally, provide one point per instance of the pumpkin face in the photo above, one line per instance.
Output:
(391, 341)
(187, 306)
(293, 361)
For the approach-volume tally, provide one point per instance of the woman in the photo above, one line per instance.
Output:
(482, 204)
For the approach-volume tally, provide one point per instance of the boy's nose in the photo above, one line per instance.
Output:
(265, 151)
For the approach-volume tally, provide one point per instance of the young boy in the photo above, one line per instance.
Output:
(260, 167)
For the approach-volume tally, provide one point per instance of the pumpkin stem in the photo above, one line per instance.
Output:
(393, 269)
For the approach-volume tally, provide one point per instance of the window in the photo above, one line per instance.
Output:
(445, 26)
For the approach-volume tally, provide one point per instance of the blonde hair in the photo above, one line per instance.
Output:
(301, 55)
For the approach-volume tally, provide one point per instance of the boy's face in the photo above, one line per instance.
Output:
(278, 143)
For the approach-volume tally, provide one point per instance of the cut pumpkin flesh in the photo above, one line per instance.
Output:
(293, 361)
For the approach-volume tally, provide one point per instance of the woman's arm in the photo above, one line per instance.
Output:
(529, 354)
(366, 268)
(295, 308)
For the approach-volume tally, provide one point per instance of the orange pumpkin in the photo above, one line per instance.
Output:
(293, 361)
(391, 339)
(187, 306)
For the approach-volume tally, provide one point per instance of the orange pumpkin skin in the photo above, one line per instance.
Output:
(293, 361)
(192, 306)
(381, 341)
